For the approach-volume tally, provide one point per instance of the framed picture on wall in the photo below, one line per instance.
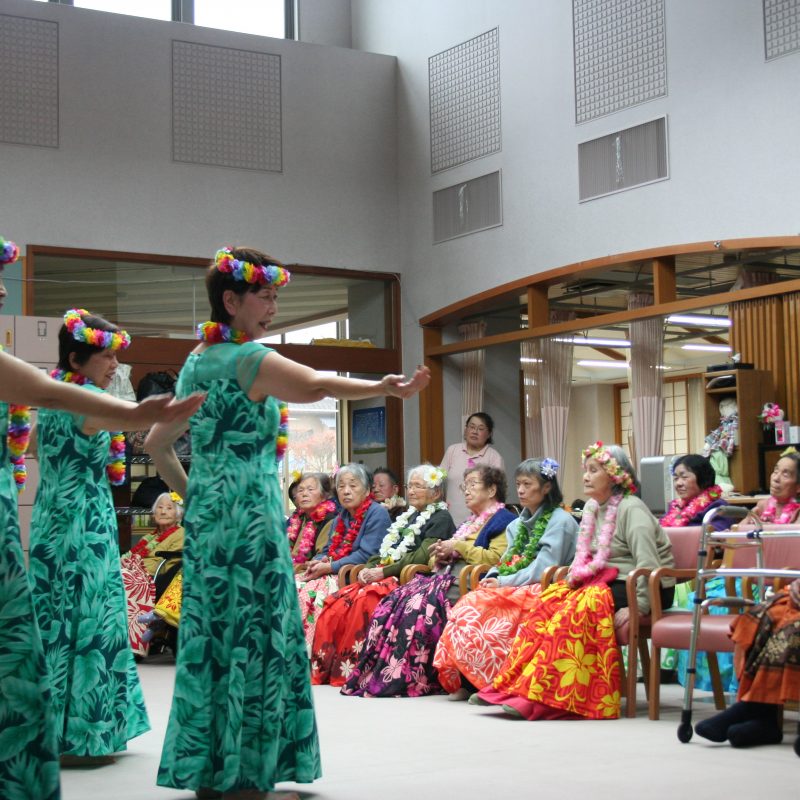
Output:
(369, 430)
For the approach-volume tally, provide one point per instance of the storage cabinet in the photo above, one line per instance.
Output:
(751, 388)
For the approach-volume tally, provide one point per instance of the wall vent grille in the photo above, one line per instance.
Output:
(631, 157)
(29, 84)
(464, 87)
(620, 55)
(781, 27)
(467, 207)
(226, 107)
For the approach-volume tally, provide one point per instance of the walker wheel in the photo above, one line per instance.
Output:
(685, 732)
(797, 745)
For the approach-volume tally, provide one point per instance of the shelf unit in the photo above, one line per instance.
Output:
(752, 388)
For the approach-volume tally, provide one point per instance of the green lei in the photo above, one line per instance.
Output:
(525, 545)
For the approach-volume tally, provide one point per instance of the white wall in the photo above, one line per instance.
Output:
(324, 22)
(112, 184)
(732, 119)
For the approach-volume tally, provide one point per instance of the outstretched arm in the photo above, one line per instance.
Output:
(281, 377)
(24, 384)
(159, 444)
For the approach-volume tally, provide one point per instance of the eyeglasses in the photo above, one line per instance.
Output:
(470, 485)
(478, 428)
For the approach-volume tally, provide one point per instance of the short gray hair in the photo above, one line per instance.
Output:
(358, 471)
(621, 457)
(168, 496)
(421, 469)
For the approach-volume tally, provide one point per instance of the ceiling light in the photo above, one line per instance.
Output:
(702, 321)
(603, 364)
(524, 360)
(592, 341)
(711, 348)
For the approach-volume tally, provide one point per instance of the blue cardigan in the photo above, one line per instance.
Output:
(373, 528)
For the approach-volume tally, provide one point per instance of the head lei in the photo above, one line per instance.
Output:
(9, 252)
(176, 498)
(81, 332)
(266, 274)
(789, 451)
(432, 477)
(549, 468)
(622, 478)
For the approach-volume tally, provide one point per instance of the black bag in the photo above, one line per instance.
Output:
(159, 383)
(148, 491)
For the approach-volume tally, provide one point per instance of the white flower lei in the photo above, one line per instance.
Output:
(403, 535)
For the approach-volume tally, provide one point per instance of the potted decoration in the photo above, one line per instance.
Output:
(770, 414)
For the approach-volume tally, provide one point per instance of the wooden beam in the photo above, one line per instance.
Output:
(618, 317)
(507, 291)
(538, 306)
(664, 287)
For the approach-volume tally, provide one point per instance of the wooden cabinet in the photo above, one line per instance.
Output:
(751, 388)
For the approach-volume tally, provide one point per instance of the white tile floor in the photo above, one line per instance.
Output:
(432, 748)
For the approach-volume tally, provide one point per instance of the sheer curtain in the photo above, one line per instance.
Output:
(647, 402)
(531, 358)
(472, 370)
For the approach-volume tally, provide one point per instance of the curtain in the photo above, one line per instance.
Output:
(530, 355)
(472, 370)
(647, 402)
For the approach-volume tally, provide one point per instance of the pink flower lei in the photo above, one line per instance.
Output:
(681, 511)
(308, 533)
(476, 522)
(586, 565)
(787, 515)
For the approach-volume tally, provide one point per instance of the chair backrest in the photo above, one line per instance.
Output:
(685, 544)
(779, 553)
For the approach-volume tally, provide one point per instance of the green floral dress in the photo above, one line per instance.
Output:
(78, 593)
(242, 713)
(28, 760)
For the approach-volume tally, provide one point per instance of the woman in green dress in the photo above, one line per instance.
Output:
(242, 715)
(28, 739)
(74, 569)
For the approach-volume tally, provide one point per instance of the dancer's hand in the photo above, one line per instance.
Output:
(398, 386)
(162, 408)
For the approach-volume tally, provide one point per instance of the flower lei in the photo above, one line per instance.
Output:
(599, 452)
(341, 544)
(18, 434)
(787, 514)
(680, 511)
(219, 332)
(9, 252)
(401, 536)
(586, 565)
(239, 270)
(81, 332)
(308, 534)
(143, 546)
(475, 523)
(432, 477)
(115, 468)
(525, 546)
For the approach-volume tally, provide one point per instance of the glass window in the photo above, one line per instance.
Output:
(265, 18)
(152, 9)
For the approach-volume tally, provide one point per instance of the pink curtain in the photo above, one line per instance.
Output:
(472, 370)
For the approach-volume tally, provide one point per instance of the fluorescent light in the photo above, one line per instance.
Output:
(603, 364)
(702, 321)
(524, 360)
(711, 348)
(591, 341)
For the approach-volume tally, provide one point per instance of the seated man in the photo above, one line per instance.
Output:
(386, 491)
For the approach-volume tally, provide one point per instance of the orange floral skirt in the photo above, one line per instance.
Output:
(565, 656)
(481, 627)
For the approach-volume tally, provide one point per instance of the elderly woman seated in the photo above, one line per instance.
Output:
(357, 533)
(781, 507)
(564, 663)
(342, 626)
(149, 566)
(767, 656)
(397, 659)
(309, 526)
(483, 624)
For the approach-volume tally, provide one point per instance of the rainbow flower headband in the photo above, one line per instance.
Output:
(599, 452)
(267, 274)
(9, 252)
(81, 332)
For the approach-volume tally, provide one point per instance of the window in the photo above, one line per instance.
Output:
(265, 18)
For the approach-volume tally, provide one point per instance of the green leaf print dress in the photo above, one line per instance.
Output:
(28, 758)
(78, 593)
(242, 714)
